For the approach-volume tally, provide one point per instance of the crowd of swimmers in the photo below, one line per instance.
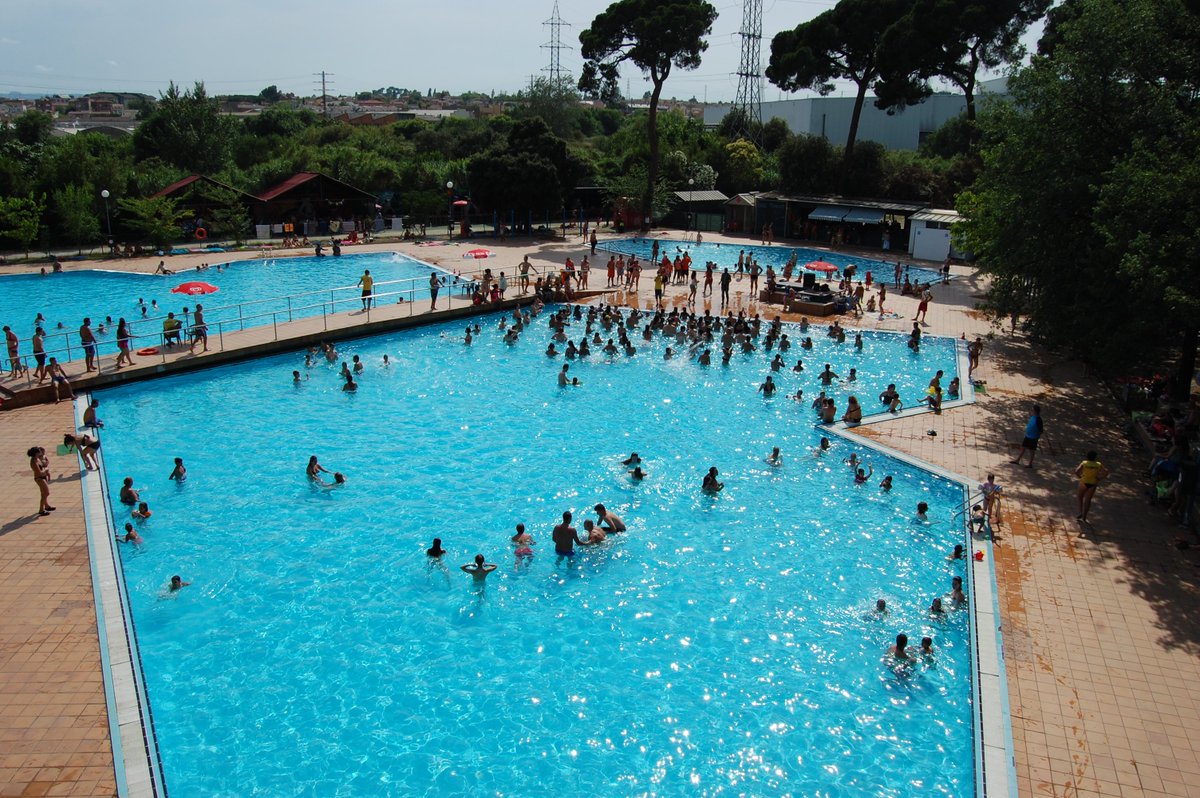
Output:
(612, 331)
(87, 444)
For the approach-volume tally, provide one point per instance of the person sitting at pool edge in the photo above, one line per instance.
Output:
(89, 415)
(478, 569)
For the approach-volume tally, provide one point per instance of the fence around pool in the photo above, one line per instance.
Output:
(405, 293)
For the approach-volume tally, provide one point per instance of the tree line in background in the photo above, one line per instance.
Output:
(1081, 193)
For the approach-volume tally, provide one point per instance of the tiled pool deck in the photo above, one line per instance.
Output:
(1101, 639)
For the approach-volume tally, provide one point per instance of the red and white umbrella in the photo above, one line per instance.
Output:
(478, 254)
(195, 288)
(821, 266)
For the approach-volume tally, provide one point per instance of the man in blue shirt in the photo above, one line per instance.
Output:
(1033, 432)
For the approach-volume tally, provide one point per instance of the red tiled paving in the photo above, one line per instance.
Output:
(54, 734)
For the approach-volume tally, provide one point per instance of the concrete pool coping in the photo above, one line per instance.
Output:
(135, 752)
(135, 748)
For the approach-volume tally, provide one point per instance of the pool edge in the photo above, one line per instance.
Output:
(138, 775)
(995, 759)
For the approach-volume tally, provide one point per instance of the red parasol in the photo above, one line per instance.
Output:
(821, 266)
(478, 254)
(195, 288)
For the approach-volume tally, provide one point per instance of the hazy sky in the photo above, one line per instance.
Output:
(242, 46)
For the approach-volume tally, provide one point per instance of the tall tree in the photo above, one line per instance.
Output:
(954, 39)
(157, 218)
(1086, 209)
(531, 171)
(844, 43)
(187, 129)
(556, 102)
(75, 205)
(653, 35)
(21, 218)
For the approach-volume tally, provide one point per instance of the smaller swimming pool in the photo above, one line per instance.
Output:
(249, 291)
(726, 256)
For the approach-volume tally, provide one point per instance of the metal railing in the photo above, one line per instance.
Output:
(410, 290)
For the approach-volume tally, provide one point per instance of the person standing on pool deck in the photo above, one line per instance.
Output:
(40, 465)
(367, 282)
(1033, 432)
(434, 285)
(39, 355)
(1090, 472)
(13, 342)
(88, 339)
(726, 279)
(199, 329)
(565, 537)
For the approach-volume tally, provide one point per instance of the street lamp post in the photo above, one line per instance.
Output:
(450, 208)
(107, 219)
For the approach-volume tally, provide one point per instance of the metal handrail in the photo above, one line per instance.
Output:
(465, 279)
(407, 297)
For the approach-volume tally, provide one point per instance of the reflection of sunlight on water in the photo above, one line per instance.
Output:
(751, 600)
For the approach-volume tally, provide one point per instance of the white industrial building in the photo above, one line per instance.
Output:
(829, 117)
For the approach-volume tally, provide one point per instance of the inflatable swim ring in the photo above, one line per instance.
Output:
(149, 350)
(201, 234)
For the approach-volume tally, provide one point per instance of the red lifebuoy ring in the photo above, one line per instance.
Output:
(201, 234)
(150, 350)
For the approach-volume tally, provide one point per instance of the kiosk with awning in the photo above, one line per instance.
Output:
(828, 213)
(864, 216)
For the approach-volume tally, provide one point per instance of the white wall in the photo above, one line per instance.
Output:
(830, 117)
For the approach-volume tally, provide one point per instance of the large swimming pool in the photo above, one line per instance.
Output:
(726, 257)
(722, 646)
(264, 284)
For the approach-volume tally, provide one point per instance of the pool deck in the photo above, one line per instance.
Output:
(1101, 641)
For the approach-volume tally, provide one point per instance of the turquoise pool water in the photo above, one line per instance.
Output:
(68, 297)
(721, 646)
(726, 256)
